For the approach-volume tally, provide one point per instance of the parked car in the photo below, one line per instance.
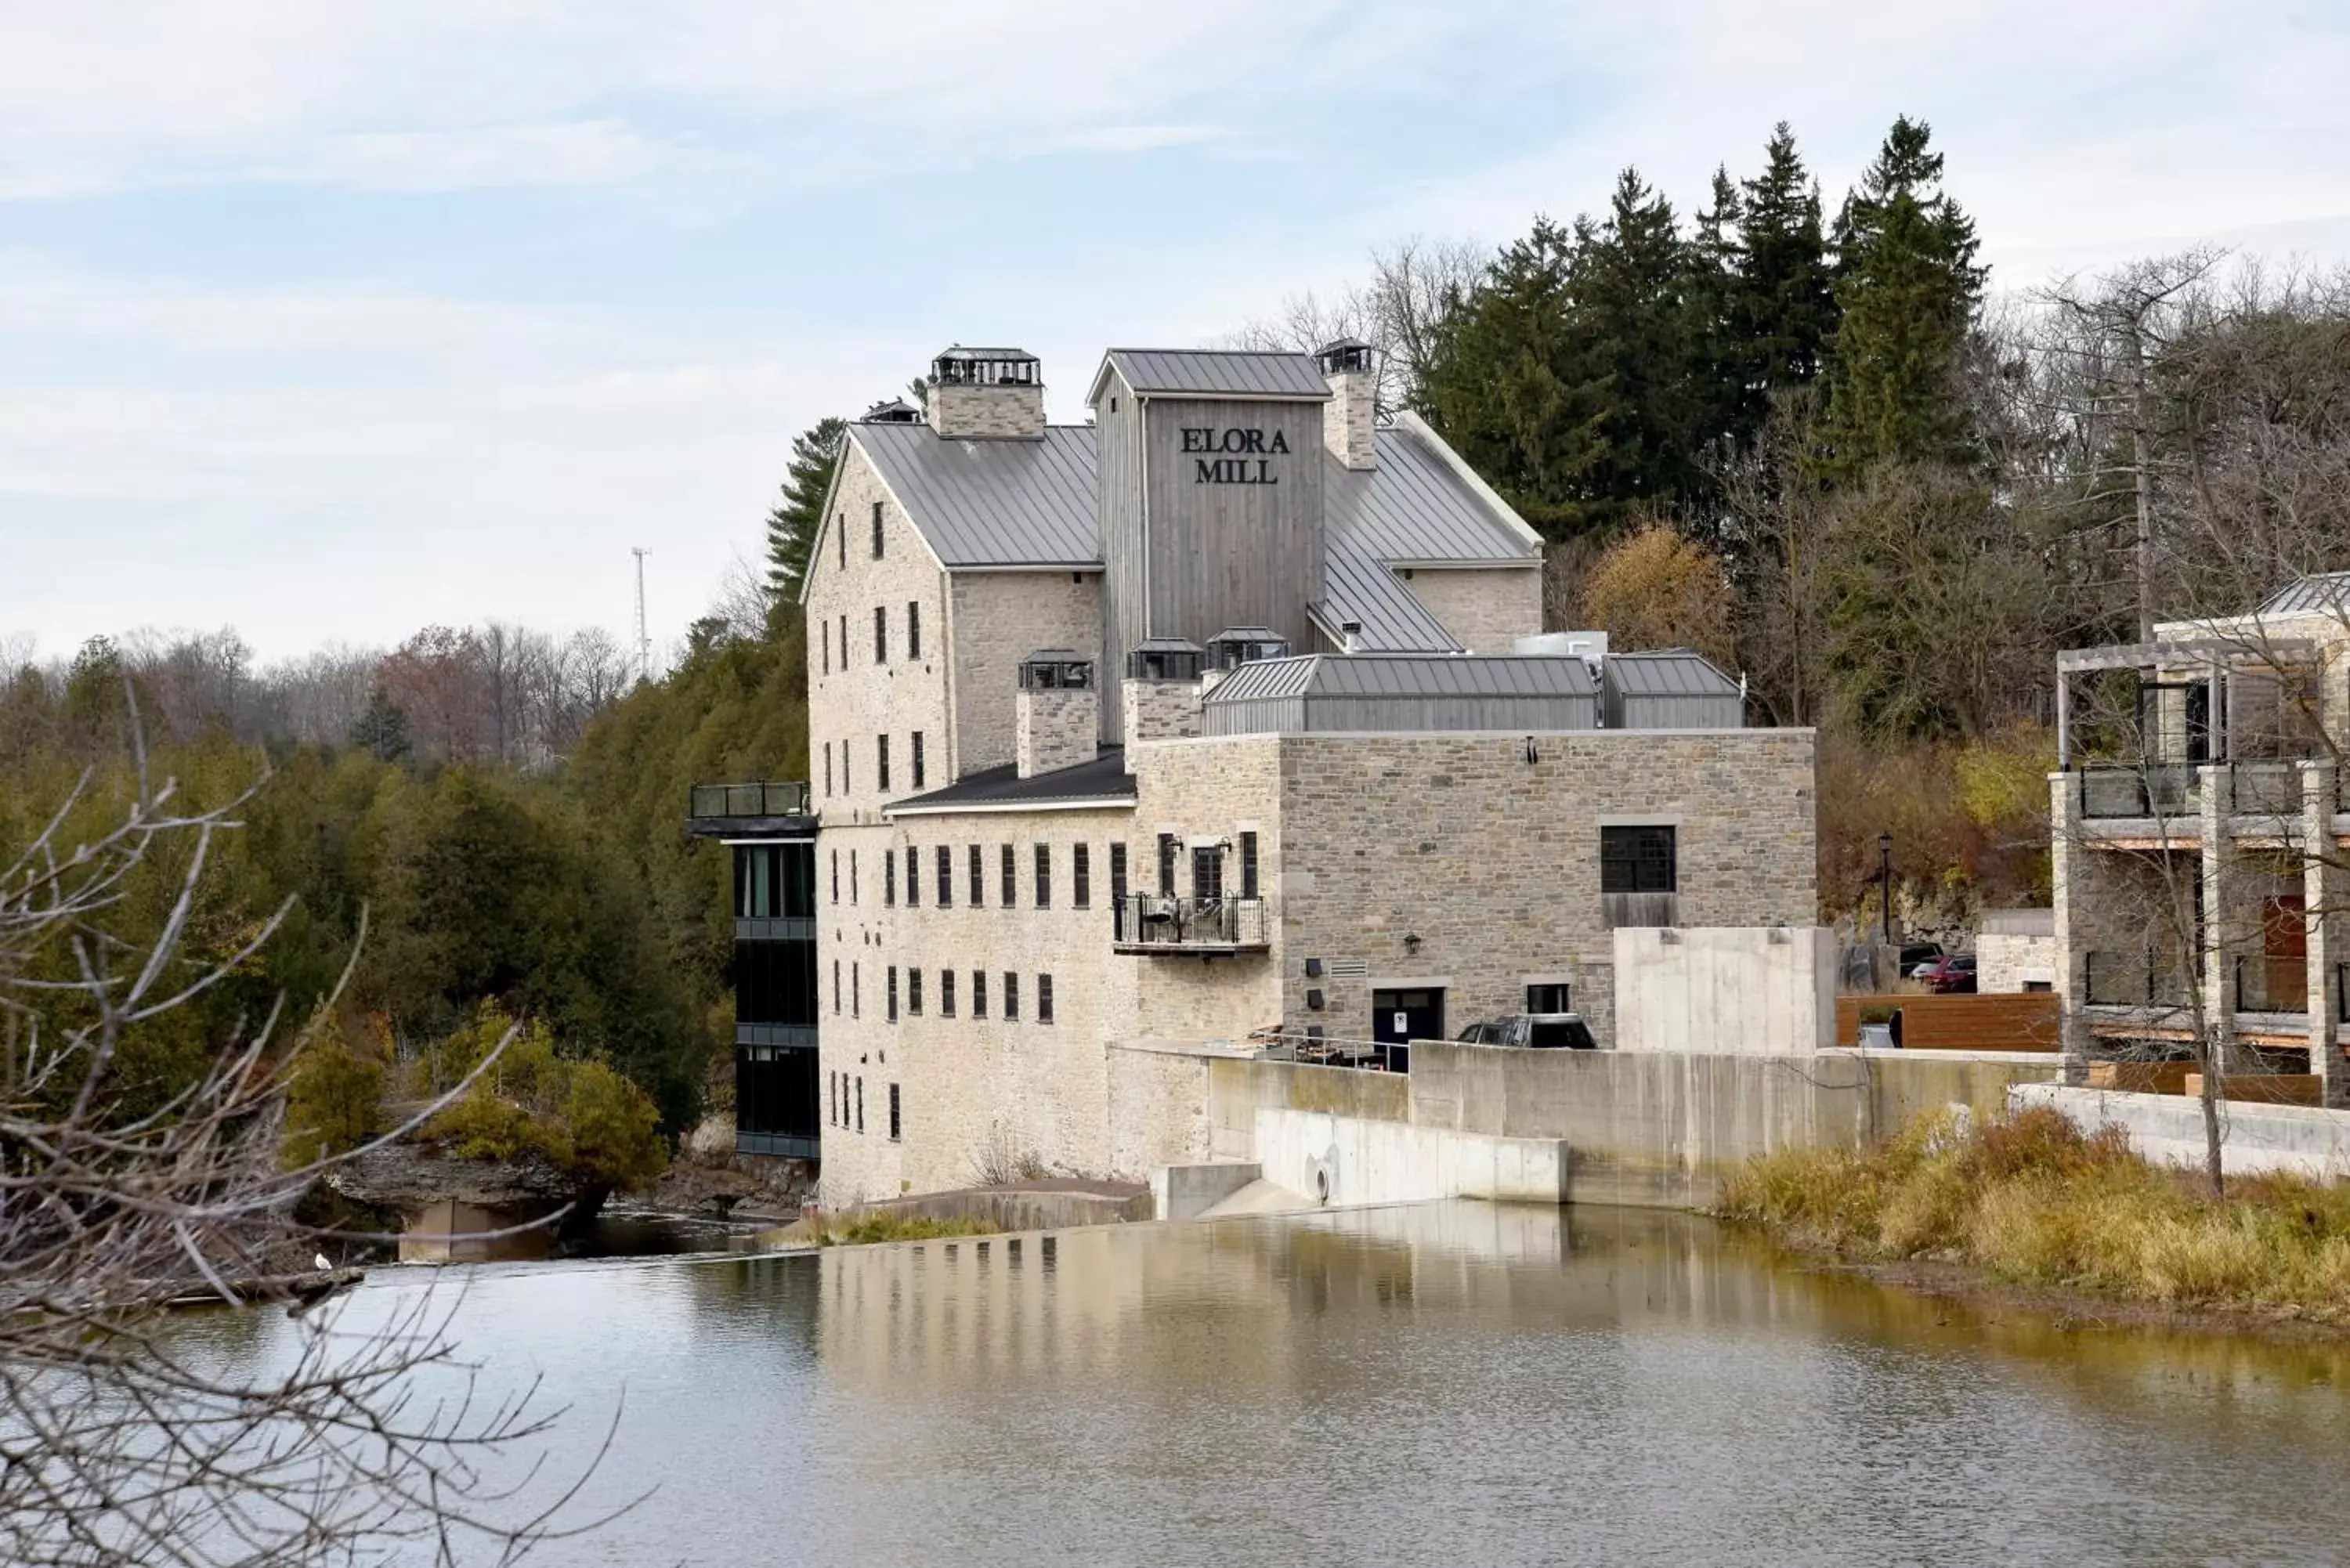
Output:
(1535, 1031)
(1955, 973)
(1916, 958)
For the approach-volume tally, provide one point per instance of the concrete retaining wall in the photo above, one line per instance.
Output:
(1183, 1191)
(1352, 1160)
(2169, 1130)
(1744, 991)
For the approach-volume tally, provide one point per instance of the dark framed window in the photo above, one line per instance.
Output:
(917, 758)
(1081, 875)
(832, 1099)
(852, 878)
(775, 983)
(892, 1015)
(979, 993)
(860, 1102)
(889, 878)
(1548, 998)
(877, 530)
(827, 767)
(1248, 866)
(840, 534)
(913, 628)
(824, 630)
(844, 786)
(1043, 876)
(844, 643)
(1637, 860)
(1208, 871)
(946, 993)
(856, 991)
(1166, 865)
(946, 876)
(897, 1128)
(1044, 999)
(914, 992)
(835, 985)
(880, 635)
(1116, 875)
(978, 878)
(882, 760)
(1010, 879)
(1011, 996)
(836, 875)
(913, 877)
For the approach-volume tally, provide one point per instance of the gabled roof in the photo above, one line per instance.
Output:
(1213, 373)
(1357, 587)
(2321, 593)
(1404, 675)
(1666, 673)
(992, 503)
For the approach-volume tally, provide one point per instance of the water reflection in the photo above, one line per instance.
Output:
(1454, 1382)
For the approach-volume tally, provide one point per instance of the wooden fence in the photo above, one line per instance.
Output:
(2017, 1022)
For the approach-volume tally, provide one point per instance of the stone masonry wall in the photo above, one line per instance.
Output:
(852, 699)
(1493, 863)
(1000, 618)
(972, 1091)
(1347, 427)
(961, 412)
(1057, 728)
(1159, 711)
(1487, 607)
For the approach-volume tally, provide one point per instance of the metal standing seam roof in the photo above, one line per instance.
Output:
(1404, 675)
(2323, 593)
(992, 503)
(1669, 672)
(1218, 372)
(1031, 503)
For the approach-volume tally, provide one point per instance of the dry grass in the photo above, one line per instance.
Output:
(859, 1230)
(2031, 1199)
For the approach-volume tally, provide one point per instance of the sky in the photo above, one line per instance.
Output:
(330, 321)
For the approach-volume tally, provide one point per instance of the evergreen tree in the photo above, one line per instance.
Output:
(1789, 306)
(1642, 365)
(792, 524)
(1720, 358)
(1908, 287)
(382, 730)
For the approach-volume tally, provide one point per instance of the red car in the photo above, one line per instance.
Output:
(1954, 974)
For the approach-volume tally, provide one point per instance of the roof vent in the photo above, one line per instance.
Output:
(896, 411)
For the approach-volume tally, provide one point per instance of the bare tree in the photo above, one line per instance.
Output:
(1413, 283)
(120, 1442)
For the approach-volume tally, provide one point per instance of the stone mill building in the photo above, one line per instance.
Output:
(1221, 721)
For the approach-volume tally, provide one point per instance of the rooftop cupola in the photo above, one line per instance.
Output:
(987, 394)
(1351, 367)
(895, 412)
(1159, 698)
(1059, 712)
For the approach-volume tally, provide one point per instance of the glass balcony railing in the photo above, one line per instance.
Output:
(2168, 790)
(766, 799)
(2135, 980)
(2272, 985)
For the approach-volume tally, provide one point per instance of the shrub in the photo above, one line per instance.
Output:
(582, 1115)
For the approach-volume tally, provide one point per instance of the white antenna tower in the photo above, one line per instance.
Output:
(644, 638)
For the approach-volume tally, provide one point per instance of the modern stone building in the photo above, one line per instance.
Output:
(1208, 720)
(2200, 833)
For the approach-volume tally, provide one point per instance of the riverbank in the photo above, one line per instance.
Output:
(2027, 1211)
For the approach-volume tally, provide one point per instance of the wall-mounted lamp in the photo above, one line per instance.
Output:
(1411, 943)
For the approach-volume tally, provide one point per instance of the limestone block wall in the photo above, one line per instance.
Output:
(1347, 418)
(1451, 860)
(1487, 607)
(2006, 962)
(1006, 410)
(1158, 711)
(1200, 789)
(998, 619)
(974, 1091)
(1055, 728)
(853, 698)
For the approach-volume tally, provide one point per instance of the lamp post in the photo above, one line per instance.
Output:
(1885, 882)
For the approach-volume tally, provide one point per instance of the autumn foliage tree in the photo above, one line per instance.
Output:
(1655, 588)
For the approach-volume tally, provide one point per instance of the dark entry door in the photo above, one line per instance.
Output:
(1399, 1017)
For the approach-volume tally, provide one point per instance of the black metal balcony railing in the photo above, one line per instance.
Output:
(1162, 923)
(2135, 979)
(2162, 789)
(2272, 985)
(766, 799)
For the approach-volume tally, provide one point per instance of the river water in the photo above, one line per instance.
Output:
(1453, 1383)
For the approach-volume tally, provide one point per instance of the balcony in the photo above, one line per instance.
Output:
(2169, 795)
(2278, 985)
(1152, 923)
(763, 810)
(2135, 980)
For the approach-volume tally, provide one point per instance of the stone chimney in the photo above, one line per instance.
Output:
(1352, 369)
(1160, 696)
(1059, 712)
(987, 394)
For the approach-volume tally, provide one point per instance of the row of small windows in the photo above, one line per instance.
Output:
(845, 1103)
(1008, 995)
(917, 759)
(827, 655)
(840, 534)
(1207, 869)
